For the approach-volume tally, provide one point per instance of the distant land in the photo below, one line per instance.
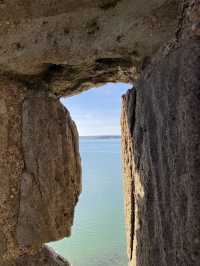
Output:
(102, 137)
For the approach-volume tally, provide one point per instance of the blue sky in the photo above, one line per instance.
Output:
(97, 111)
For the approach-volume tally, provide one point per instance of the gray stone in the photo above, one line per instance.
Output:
(53, 48)
(161, 150)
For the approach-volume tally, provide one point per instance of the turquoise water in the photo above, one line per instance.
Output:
(98, 235)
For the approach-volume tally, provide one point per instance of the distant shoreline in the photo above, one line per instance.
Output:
(101, 137)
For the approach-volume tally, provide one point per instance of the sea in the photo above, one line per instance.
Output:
(98, 233)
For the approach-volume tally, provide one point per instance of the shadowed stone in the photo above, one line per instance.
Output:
(44, 257)
(39, 168)
(161, 150)
(34, 35)
(53, 48)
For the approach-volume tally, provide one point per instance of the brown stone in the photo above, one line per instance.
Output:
(41, 38)
(127, 123)
(44, 257)
(196, 29)
(53, 48)
(39, 168)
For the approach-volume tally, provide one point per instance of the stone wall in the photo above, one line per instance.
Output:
(73, 45)
(53, 48)
(42, 257)
(161, 124)
(39, 168)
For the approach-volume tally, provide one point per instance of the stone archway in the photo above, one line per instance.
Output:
(52, 49)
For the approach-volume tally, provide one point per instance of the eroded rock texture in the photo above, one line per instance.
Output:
(39, 168)
(127, 115)
(52, 48)
(161, 133)
(75, 42)
(43, 257)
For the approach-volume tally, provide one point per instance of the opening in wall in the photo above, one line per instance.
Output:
(98, 236)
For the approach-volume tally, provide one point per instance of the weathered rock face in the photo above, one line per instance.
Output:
(44, 257)
(161, 133)
(70, 41)
(127, 116)
(39, 168)
(54, 48)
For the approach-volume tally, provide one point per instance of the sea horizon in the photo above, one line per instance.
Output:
(98, 233)
(101, 136)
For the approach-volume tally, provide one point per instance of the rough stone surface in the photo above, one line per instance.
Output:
(34, 35)
(39, 168)
(162, 158)
(52, 48)
(44, 257)
(127, 115)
